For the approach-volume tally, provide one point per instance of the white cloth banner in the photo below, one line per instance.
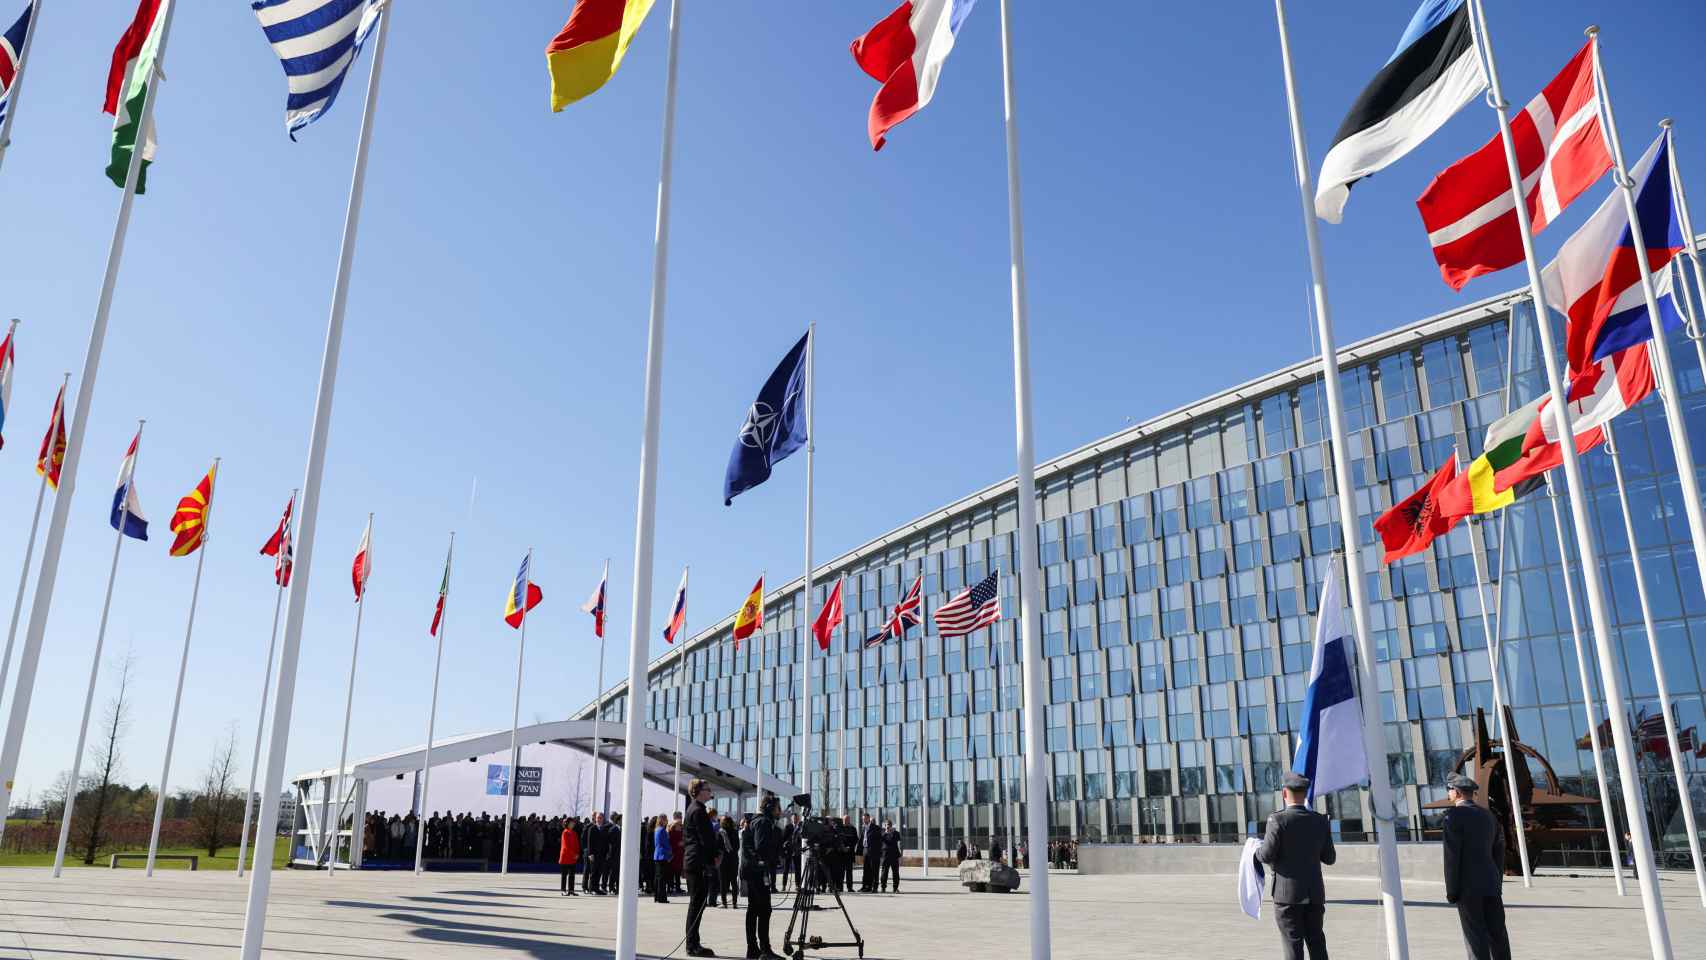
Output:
(1250, 880)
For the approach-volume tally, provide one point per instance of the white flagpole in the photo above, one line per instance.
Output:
(1030, 605)
(1689, 242)
(432, 712)
(260, 882)
(923, 711)
(1611, 673)
(806, 624)
(680, 688)
(758, 788)
(266, 690)
(183, 667)
(337, 813)
(645, 519)
(94, 664)
(598, 700)
(1685, 796)
(18, 80)
(30, 659)
(24, 573)
(1374, 741)
(515, 713)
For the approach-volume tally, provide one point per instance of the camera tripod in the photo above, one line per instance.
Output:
(813, 880)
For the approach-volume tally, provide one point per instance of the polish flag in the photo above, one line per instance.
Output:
(362, 568)
(905, 52)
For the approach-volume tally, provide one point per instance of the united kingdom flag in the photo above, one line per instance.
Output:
(12, 56)
(906, 614)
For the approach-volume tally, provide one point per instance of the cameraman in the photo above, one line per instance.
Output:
(700, 849)
(760, 851)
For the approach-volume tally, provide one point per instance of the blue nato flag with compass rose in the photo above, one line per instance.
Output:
(775, 425)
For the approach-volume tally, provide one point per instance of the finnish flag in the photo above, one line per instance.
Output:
(1330, 749)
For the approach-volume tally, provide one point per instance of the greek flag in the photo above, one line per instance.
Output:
(1330, 750)
(316, 41)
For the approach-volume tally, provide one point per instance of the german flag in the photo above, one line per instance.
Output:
(189, 522)
(586, 52)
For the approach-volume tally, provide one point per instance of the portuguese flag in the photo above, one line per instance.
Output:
(132, 71)
(1473, 491)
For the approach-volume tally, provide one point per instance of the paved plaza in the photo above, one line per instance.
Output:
(368, 916)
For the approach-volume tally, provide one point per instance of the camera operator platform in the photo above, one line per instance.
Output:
(829, 846)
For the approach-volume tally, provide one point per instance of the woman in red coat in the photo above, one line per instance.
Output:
(568, 853)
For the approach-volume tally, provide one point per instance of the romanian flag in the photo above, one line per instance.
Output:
(751, 615)
(52, 455)
(189, 522)
(586, 52)
(514, 612)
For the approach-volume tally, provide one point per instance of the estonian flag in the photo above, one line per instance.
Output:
(1434, 72)
(1330, 750)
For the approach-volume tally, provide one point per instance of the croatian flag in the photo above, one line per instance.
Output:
(1330, 749)
(677, 612)
(12, 56)
(1596, 278)
(127, 510)
(6, 356)
(905, 52)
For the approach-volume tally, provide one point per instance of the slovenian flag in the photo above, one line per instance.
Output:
(1330, 749)
(904, 52)
(127, 515)
(677, 612)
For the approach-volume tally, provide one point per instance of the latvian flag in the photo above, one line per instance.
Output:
(904, 52)
(1434, 72)
(1561, 151)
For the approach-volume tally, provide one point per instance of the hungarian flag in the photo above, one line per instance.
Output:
(362, 567)
(189, 521)
(584, 55)
(751, 615)
(443, 595)
(677, 612)
(828, 618)
(595, 603)
(1474, 490)
(132, 71)
(6, 356)
(905, 52)
(1605, 390)
(278, 546)
(515, 610)
(1560, 150)
(1414, 522)
(52, 455)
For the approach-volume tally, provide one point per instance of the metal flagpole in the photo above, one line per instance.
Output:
(598, 701)
(1030, 606)
(260, 883)
(1374, 741)
(94, 663)
(24, 573)
(432, 712)
(645, 520)
(758, 788)
(806, 624)
(183, 667)
(30, 659)
(266, 689)
(515, 713)
(1690, 243)
(923, 703)
(1611, 672)
(343, 751)
(1683, 793)
(680, 689)
(18, 82)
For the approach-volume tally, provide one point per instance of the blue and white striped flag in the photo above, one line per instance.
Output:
(316, 41)
(1330, 750)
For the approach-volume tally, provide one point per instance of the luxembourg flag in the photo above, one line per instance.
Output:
(127, 509)
(6, 357)
(677, 612)
(904, 52)
(1330, 750)
(1596, 278)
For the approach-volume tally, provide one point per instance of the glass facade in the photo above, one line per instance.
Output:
(1181, 563)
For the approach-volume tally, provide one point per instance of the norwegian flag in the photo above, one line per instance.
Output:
(906, 614)
(278, 546)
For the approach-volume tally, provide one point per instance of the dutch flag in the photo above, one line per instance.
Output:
(1330, 749)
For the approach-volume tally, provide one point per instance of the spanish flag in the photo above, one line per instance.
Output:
(586, 52)
(189, 522)
(751, 615)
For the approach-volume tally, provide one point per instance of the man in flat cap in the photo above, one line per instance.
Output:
(1297, 843)
(1475, 870)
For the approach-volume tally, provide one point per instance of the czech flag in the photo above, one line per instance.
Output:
(127, 515)
(595, 603)
(678, 612)
(514, 612)
(189, 521)
(751, 615)
(904, 52)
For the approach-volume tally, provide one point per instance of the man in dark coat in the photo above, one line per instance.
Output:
(873, 848)
(700, 850)
(891, 858)
(1475, 871)
(1297, 843)
(613, 843)
(597, 852)
(760, 851)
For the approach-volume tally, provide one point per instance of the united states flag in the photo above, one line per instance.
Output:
(971, 609)
(906, 615)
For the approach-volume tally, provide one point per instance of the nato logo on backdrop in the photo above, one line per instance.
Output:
(529, 781)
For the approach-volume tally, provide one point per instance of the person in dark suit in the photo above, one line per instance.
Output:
(701, 849)
(597, 852)
(613, 843)
(891, 858)
(1297, 843)
(1475, 871)
(873, 846)
(760, 850)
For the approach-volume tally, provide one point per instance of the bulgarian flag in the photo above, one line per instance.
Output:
(134, 63)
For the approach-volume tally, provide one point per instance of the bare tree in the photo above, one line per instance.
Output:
(214, 810)
(108, 766)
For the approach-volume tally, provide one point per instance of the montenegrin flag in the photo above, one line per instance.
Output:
(514, 610)
(751, 615)
(584, 55)
(904, 52)
(127, 87)
(52, 455)
(189, 521)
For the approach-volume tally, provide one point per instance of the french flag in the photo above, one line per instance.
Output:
(905, 52)
(1596, 278)
(1330, 750)
(677, 612)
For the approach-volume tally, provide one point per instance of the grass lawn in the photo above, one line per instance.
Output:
(227, 859)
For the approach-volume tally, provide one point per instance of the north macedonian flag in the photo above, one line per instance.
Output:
(189, 521)
(586, 52)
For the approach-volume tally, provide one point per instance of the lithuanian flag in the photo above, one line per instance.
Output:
(1473, 491)
(586, 52)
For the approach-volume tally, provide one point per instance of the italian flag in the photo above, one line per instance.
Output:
(132, 71)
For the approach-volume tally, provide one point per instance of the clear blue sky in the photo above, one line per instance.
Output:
(498, 310)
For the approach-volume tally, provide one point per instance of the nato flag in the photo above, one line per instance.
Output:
(775, 426)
